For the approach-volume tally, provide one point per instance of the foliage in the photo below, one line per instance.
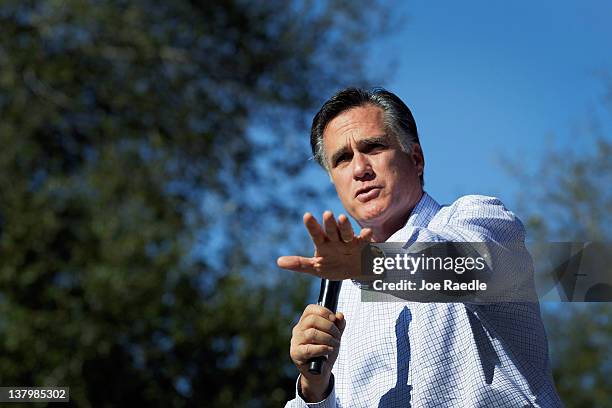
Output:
(131, 199)
(570, 200)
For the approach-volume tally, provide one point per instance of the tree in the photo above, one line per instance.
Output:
(129, 173)
(570, 200)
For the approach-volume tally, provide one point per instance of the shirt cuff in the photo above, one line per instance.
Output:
(328, 402)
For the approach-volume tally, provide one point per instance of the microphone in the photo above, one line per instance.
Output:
(328, 297)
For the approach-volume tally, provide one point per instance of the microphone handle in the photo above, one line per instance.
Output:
(328, 297)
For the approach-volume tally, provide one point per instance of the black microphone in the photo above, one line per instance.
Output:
(328, 297)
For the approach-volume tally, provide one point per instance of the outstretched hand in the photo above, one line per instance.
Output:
(337, 252)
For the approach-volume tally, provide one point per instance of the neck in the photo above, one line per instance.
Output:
(382, 231)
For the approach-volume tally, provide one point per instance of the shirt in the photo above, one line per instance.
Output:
(402, 354)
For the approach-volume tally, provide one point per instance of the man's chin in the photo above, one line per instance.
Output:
(370, 217)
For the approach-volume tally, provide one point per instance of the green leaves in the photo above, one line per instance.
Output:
(119, 120)
(570, 201)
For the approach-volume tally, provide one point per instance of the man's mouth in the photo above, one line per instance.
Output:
(367, 193)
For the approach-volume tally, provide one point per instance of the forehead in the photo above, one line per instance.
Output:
(356, 123)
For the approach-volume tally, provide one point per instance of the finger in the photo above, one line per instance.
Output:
(314, 229)
(318, 323)
(298, 264)
(340, 322)
(306, 352)
(366, 235)
(346, 230)
(314, 336)
(319, 311)
(331, 228)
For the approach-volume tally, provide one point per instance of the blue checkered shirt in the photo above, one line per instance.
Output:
(402, 354)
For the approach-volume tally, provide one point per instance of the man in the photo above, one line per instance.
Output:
(405, 353)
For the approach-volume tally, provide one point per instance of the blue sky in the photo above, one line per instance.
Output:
(492, 79)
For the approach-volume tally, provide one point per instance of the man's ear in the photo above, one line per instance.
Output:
(418, 158)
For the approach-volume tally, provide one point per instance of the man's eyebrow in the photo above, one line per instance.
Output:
(382, 139)
(338, 154)
(374, 140)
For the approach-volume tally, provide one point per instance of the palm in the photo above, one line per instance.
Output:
(337, 252)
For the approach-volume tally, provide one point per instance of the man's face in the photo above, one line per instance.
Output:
(376, 181)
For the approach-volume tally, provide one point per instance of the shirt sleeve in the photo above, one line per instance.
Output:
(471, 219)
(329, 402)
(477, 219)
(489, 230)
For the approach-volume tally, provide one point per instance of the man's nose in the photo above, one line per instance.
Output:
(362, 168)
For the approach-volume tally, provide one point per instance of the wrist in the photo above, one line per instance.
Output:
(315, 388)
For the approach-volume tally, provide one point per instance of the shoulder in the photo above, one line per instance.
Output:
(484, 214)
(478, 204)
(476, 199)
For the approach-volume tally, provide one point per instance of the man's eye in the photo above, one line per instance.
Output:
(375, 146)
(342, 158)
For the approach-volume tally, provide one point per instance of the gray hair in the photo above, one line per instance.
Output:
(398, 119)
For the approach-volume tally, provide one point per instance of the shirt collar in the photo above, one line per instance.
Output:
(423, 212)
(420, 216)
